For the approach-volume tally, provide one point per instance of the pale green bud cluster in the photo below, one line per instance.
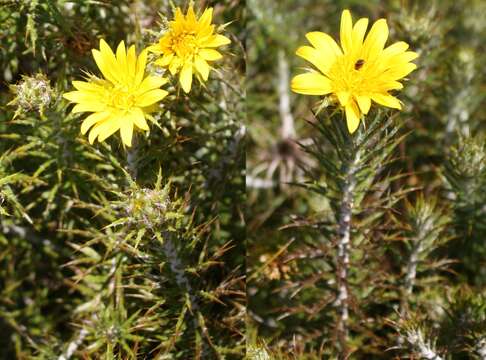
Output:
(32, 93)
(469, 158)
(153, 208)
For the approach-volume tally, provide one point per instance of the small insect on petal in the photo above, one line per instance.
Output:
(359, 64)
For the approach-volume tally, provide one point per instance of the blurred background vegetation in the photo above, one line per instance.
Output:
(104, 253)
(417, 271)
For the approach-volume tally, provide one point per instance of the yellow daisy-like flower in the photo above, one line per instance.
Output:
(359, 71)
(121, 100)
(188, 46)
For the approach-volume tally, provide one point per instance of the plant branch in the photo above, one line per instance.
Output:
(288, 128)
(132, 158)
(424, 348)
(74, 345)
(344, 240)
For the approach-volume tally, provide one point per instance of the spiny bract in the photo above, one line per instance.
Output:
(120, 101)
(188, 46)
(359, 71)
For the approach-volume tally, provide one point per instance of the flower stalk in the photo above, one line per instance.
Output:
(132, 158)
(288, 128)
(344, 242)
(177, 267)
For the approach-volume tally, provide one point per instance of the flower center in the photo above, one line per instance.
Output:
(120, 99)
(348, 75)
(184, 44)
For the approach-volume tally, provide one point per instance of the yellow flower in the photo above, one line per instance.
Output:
(359, 71)
(188, 46)
(122, 99)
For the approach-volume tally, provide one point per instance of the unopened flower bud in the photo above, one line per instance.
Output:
(32, 93)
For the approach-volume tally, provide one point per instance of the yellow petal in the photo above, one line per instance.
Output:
(325, 44)
(191, 16)
(108, 128)
(202, 67)
(104, 67)
(315, 57)
(121, 58)
(387, 100)
(364, 103)
(80, 96)
(109, 60)
(93, 119)
(210, 54)
(185, 78)
(346, 31)
(150, 83)
(206, 17)
(376, 39)
(151, 97)
(395, 48)
(399, 71)
(217, 40)
(397, 60)
(343, 97)
(352, 116)
(311, 84)
(165, 60)
(103, 127)
(178, 16)
(155, 48)
(138, 117)
(86, 86)
(88, 107)
(175, 65)
(131, 60)
(359, 31)
(126, 131)
(385, 86)
(140, 68)
(407, 56)
(93, 134)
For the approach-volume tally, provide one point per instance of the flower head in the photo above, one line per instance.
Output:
(120, 100)
(360, 71)
(188, 46)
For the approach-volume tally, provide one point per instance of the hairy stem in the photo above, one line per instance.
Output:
(422, 347)
(288, 129)
(132, 158)
(481, 348)
(177, 268)
(411, 270)
(344, 240)
(74, 345)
